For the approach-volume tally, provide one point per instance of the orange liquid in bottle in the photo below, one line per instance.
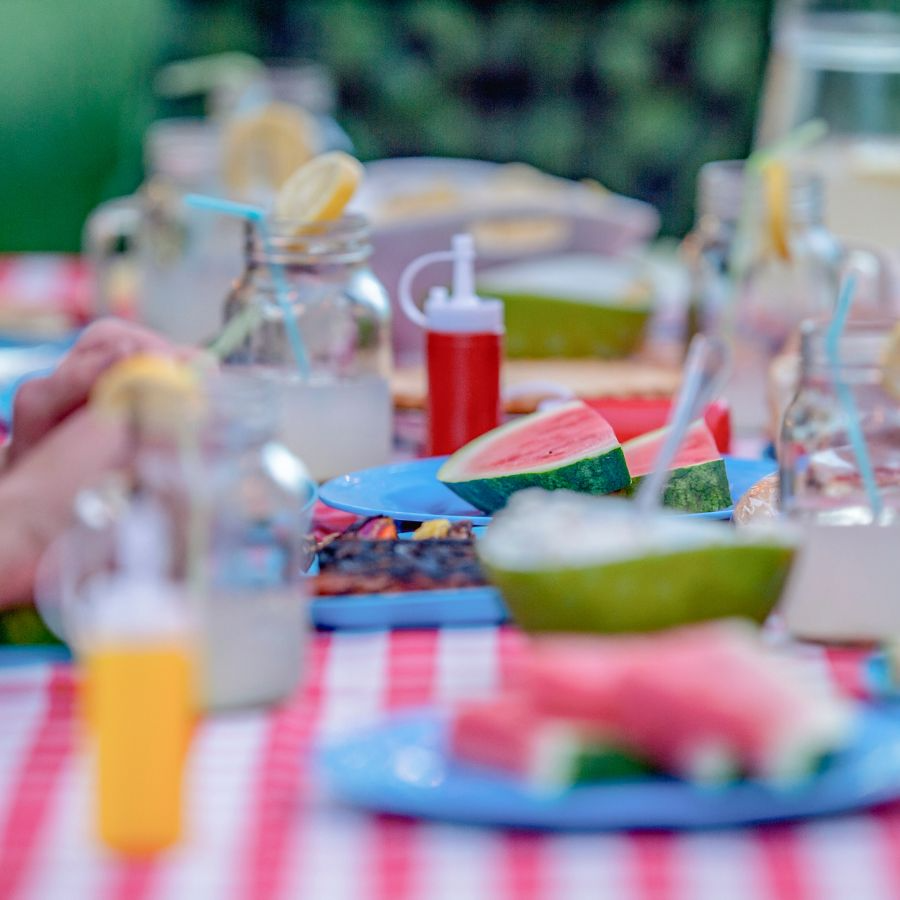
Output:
(139, 703)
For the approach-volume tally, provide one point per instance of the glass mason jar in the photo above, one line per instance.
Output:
(154, 258)
(256, 499)
(237, 508)
(775, 291)
(336, 415)
(820, 472)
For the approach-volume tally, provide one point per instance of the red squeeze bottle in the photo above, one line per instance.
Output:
(464, 346)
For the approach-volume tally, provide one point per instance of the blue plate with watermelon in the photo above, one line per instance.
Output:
(403, 767)
(410, 491)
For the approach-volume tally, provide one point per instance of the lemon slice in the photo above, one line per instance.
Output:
(161, 394)
(263, 149)
(319, 190)
(776, 186)
(890, 364)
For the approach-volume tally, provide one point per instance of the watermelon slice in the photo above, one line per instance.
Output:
(567, 446)
(700, 702)
(698, 481)
(507, 734)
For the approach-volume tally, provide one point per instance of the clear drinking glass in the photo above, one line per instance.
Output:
(337, 417)
(839, 62)
(820, 474)
(154, 258)
(773, 293)
(256, 500)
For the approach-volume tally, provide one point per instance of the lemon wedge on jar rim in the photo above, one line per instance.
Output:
(161, 394)
(319, 190)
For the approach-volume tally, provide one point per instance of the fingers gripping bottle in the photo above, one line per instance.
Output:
(464, 350)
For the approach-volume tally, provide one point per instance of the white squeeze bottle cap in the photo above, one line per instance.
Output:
(137, 601)
(460, 311)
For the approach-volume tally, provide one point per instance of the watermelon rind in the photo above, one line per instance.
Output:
(648, 593)
(694, 489)
(601, 470)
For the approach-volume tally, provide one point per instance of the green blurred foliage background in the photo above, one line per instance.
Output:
(635, 93)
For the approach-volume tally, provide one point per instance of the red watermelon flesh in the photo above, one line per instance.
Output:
(631, 417)
(698, 446)
(699, 702)
(698, 481)
(496, 733)
(567, 447)
(575, 427)
(507, 734)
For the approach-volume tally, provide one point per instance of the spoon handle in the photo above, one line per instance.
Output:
(704, 370)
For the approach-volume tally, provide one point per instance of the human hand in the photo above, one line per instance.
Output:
(37, 494)
(43, 403)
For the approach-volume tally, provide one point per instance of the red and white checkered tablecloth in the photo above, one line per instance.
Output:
(260, 826)
(41, 285)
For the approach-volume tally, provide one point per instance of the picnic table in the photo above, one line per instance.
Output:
(261, 824)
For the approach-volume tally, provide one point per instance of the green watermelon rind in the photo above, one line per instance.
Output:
(650, 592)
(602, 470)
(694, 489)
(601, 474)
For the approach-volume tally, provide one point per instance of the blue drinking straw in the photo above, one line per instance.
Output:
(258, 216)
(845, 395)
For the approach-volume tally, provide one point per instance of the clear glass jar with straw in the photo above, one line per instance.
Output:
(822, 478)
(761, 263)
(309, 317)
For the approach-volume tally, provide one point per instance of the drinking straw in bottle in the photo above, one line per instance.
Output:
(464, 348)
(139, 688)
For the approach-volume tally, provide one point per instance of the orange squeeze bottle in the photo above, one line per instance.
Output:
(139, 685)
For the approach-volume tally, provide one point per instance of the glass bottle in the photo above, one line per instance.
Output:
(154, 258)
(337, 416)
(820, 474)
(840, 63)
(760, 306)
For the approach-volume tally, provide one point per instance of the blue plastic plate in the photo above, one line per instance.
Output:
(410, 491)
(877, 677)
(16, 655)
(412, 609)
(403, 768)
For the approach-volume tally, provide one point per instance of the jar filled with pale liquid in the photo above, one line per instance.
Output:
(333, 397)
(821, 477)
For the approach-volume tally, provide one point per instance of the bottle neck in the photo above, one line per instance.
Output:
(343, 242)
